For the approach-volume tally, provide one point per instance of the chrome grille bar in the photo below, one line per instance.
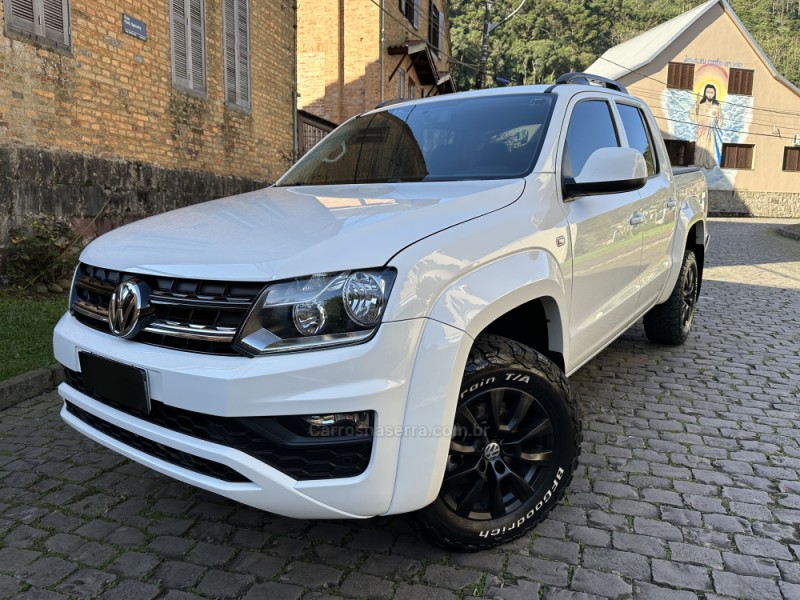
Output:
(95, 285)
(175, 300)
(192, 332)
(87, 309)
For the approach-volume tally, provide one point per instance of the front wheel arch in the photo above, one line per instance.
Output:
(519, 401)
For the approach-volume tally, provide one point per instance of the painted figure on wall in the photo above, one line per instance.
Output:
(707, 114)
(696, 115)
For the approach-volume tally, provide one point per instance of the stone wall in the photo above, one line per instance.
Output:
(97, 194)
(754, 204)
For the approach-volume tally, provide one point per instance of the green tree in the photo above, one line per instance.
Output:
(550, 37)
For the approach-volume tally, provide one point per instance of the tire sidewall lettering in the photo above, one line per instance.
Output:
(532, 512)
(510, 378)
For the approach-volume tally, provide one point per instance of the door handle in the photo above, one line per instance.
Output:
(672, 203)
(637, 219)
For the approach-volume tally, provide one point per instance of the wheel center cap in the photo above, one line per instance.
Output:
(491, 451)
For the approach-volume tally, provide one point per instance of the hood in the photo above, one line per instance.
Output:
(282, 232)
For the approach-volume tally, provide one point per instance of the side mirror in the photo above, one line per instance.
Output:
(608, 171)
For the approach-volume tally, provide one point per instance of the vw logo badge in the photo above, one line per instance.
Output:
(491, 451)
(125, 308)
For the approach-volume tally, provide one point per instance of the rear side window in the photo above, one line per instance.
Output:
(591, 127)
(638, 135)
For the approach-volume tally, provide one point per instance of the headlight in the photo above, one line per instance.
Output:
(327, 309)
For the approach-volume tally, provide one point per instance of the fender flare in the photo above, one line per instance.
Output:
(462, 311)
(483, 295)
(691, 214)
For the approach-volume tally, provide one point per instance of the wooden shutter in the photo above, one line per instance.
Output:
(440, 40)
(180, 55)
(229, 15)
(737, 156)
(47, 20)
(237, 52)
(197, 50)
(740, 81)
(188, 45)
(55, 20)
(20, 14)
(791, 159)
(243, 49)
(680, 76)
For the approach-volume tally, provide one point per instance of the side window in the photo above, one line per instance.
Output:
(44, 21)
(236, 24)
(681, 153)
(591, 127)
(188, 45)
(410, 8)
(638, 135)
(435, 28)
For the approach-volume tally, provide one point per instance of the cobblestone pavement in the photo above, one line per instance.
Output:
(687, 488)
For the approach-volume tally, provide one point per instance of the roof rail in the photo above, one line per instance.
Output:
(587, 79)
(390, 102)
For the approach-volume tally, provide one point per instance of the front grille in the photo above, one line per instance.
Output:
(273, 440)
(165, 453)
(187, 314)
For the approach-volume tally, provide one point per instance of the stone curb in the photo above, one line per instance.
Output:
(790, 231)
(30, 384)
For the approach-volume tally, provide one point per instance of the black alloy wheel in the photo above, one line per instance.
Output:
(671, 321)
(514, 446)
(689, 296)
(503, 442)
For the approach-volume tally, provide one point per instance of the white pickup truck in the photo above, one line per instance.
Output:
(390, 327)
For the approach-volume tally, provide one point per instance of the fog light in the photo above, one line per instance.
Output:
(340, 424)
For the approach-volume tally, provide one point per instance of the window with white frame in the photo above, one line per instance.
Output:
(412, 88)
(43, 21)
(236, 25)
(401, 83)
(435, 27)
(188, 32)
(410, 9)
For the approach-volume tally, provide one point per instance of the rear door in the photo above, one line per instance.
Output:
(606, 237)
(658, 205)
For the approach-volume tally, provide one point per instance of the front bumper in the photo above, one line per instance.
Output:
(375, 376)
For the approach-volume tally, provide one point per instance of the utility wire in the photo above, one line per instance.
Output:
(769, 110)
(722, 128)
(405, 25)
(773, 124)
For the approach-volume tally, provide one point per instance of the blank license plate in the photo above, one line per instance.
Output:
(120, 384)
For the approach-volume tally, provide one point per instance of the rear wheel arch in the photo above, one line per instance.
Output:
(696, 242)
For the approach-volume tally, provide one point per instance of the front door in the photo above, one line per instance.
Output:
(606, 236)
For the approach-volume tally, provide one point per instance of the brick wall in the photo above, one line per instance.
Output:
(339, 72)
(111, 98)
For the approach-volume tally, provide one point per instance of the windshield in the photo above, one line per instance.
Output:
(483, 137)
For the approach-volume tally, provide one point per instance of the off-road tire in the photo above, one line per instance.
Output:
(516, 403)
(670, 322)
